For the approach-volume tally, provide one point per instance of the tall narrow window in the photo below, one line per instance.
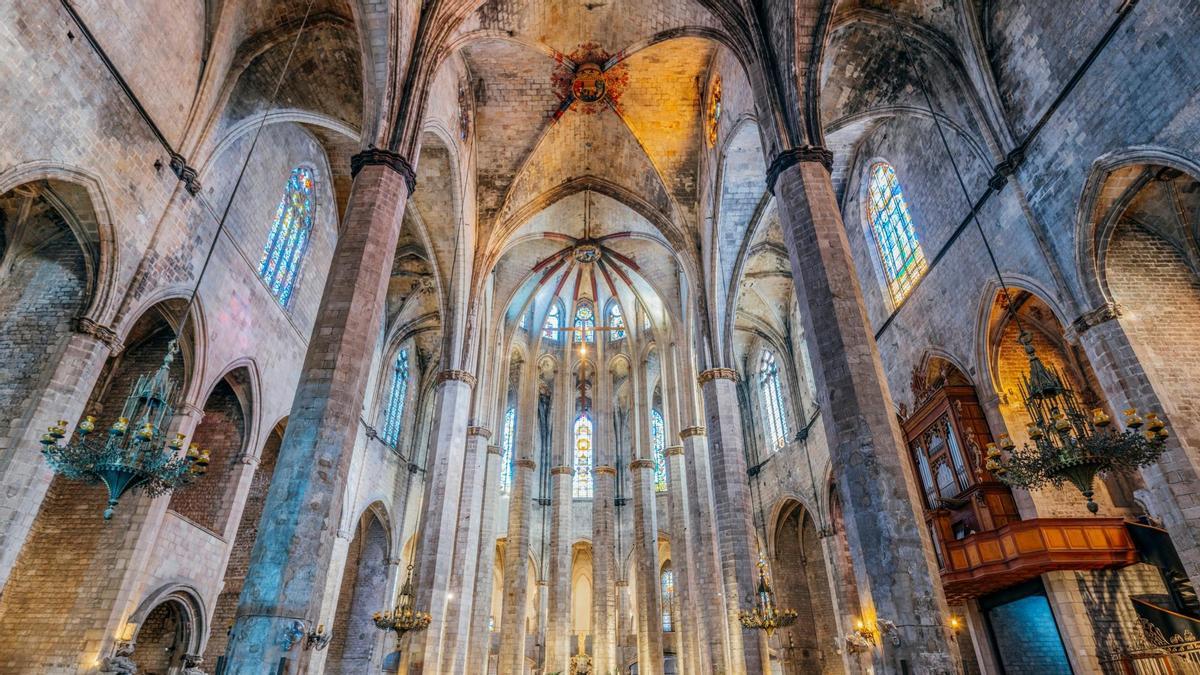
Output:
(393, 414)
(658, 442)
(524, 320)
(585, 324)
(899, 250)
(775, 418)
(616, 323)
(582, 486)
(506, 450)
(284, 250)
(553, 324)
(668, 599)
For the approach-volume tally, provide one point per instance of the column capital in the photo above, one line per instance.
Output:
(688, 432)
(561, 471)
(641, 464)
(104, 334)
(456, 375)
(493, 450)
(609, 470)
(717, 374)
(672, 450)
(792, 156)
(479, 431)
(393, 160)
(526, 463)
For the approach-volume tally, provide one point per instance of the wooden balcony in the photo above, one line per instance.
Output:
(989, 561)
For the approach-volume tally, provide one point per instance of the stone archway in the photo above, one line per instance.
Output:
(801, 582)
(163, 639)
(353, 648)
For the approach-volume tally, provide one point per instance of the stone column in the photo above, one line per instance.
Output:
(604, 528)
(439, 517)
(645, 561)
(733, 508)
(479, 644)
(688, 632)
(516, 568)
(708, 588)
(558, 619)
(24, 474)
(466, 552)
(896, 573)
(1172, 481)
(288, 563)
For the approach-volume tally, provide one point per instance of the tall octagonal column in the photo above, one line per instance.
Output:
(290, 558)
(893, 559)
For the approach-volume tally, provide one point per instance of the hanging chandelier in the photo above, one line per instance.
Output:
(134, 453)
(404, 618)
(764, 615)
(1070, 446)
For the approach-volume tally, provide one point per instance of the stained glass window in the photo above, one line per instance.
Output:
(525, 320)
(585, 324)
(582, 486)
(506, 450)
(668, 599)
(775, 418)
(658, 442)
(616, 321)
(393, 413)
(901, 254)
(553, 323)
(284, 250)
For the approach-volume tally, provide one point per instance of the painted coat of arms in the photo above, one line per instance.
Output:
(589, 79)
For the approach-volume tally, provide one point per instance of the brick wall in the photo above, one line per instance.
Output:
(222, 433)
(363, 586)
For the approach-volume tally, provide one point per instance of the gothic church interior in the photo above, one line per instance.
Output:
(599, 336)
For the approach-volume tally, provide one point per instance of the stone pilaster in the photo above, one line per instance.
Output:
(24, 474)
(894, 566)
(439, 516)
(466, 552)
(516, 569)
(688, 631)
(294, 545)
(479, 644)
(1173, 482)
(645, 560)
(604, 569)
(733, 509)
(558, 620)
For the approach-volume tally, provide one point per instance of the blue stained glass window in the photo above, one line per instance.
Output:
(288, 240)
(582, 484)
(615, 321)
(553, 323)
(658, 442)
(585, 324)
(394, 411)
(901, 254)
(506, 450)
(772, 397)
(668, 599)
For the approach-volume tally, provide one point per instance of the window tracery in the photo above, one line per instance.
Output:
(582, 483)
(775, 417)
(616, 322)
(288, 239)
(506, 450)
(668, 598)
(899, 251)
(553, 324)
(394, 411)
(658, 444)
(585, 324)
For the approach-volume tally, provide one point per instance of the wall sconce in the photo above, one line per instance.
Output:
(889, 629)
(317, 639)
(861, 639)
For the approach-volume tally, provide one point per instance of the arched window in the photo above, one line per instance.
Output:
(554, 322)
(393, 413)
(658, 442)
(524, 320)
(284, 250)
(582, 486)
(668, 598)
(506, 450)
(616, 323)
(585, 324)
(900, 252)
(775, 418)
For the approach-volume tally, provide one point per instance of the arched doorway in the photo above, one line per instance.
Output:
(802, 582)
(163, 639)
(364, 592)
